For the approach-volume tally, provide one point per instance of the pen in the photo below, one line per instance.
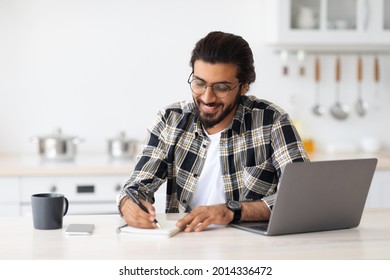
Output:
(136, 200)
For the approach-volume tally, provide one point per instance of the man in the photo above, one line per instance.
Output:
(222, 153)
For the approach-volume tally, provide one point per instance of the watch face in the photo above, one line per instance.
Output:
(232, 204)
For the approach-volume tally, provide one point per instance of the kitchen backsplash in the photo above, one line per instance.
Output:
(95, 69)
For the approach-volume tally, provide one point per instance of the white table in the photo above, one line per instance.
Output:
(19, 240)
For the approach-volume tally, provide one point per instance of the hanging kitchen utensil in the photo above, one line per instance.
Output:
(338, 110)
(376, 75)
(360, 106)
(377, 104)
(283, 59)
(301, 62)
(318, 109)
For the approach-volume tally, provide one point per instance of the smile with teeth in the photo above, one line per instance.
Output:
(210, 109)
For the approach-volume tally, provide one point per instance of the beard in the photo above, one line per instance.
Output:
(210, 120)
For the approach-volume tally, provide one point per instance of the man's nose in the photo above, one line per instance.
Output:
(208, 96)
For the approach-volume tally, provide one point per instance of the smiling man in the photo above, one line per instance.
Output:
(222, 153)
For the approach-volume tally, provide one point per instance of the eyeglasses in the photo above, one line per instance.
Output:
(199, 87)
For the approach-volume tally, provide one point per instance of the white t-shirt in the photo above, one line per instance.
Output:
(210, 189)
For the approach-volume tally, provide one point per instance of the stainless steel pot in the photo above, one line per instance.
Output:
(122, 147)
(57, 146)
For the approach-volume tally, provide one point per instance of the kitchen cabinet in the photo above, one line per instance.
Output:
(350, 25)
(86, 194)
(9, 196)
(379, 194)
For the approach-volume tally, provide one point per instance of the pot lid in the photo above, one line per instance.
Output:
(57, 134)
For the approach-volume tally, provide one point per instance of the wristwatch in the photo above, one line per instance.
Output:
(235, 206)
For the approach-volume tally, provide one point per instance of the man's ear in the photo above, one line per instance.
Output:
(244, 88)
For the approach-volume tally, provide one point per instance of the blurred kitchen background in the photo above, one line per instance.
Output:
(95, 68)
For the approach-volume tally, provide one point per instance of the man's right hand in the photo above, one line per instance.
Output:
(134, 216)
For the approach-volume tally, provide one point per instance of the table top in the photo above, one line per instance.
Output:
(19, 240)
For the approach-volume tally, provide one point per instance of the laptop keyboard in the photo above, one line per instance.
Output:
(252, 226)
(258, 226)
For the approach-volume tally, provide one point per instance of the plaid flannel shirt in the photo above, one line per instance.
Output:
(260, 141)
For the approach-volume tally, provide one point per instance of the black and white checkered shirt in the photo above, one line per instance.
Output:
(260, 141)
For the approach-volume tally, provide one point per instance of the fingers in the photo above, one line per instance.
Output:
(194, 221)
(135, 216)
(203, 216)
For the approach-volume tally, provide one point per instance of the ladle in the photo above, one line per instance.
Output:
(318, 109)
(339, 110)
(361, 106)
(377, 104)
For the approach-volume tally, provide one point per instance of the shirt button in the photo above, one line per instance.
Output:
(195, 175)
(184, 201)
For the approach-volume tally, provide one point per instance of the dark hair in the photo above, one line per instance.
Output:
(220, 47)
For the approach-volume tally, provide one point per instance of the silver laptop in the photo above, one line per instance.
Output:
(318, 196)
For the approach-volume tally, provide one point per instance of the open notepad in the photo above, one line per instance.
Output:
(168, 229)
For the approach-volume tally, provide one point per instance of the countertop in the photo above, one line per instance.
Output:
(82, 165)
(19, 240)
(383, 157)
(104, 165)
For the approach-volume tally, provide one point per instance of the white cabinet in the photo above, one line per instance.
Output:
(9, 196)
(379, 194)
(86, 194)
(329, 24)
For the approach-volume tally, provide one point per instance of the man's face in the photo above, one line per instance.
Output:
(216, 113)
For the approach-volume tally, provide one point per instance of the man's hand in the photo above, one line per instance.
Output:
(134, 216)
(202, 216)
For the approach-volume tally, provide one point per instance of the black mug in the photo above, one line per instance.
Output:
(48, 209)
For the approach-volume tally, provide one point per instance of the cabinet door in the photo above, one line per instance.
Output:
(75, 188)
(9, 196)
(86, 194)
(351, 24)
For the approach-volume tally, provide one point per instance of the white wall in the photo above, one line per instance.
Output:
(95, 68)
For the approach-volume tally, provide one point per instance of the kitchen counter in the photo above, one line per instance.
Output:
(104, 165)
(383, 157)
(82, 165)
(19, 240)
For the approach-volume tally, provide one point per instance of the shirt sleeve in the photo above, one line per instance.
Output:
(287, 147)
(151, 167)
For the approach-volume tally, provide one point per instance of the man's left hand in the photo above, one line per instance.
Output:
(202, 216)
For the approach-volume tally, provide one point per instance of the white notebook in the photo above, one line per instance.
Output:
(168, 229)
